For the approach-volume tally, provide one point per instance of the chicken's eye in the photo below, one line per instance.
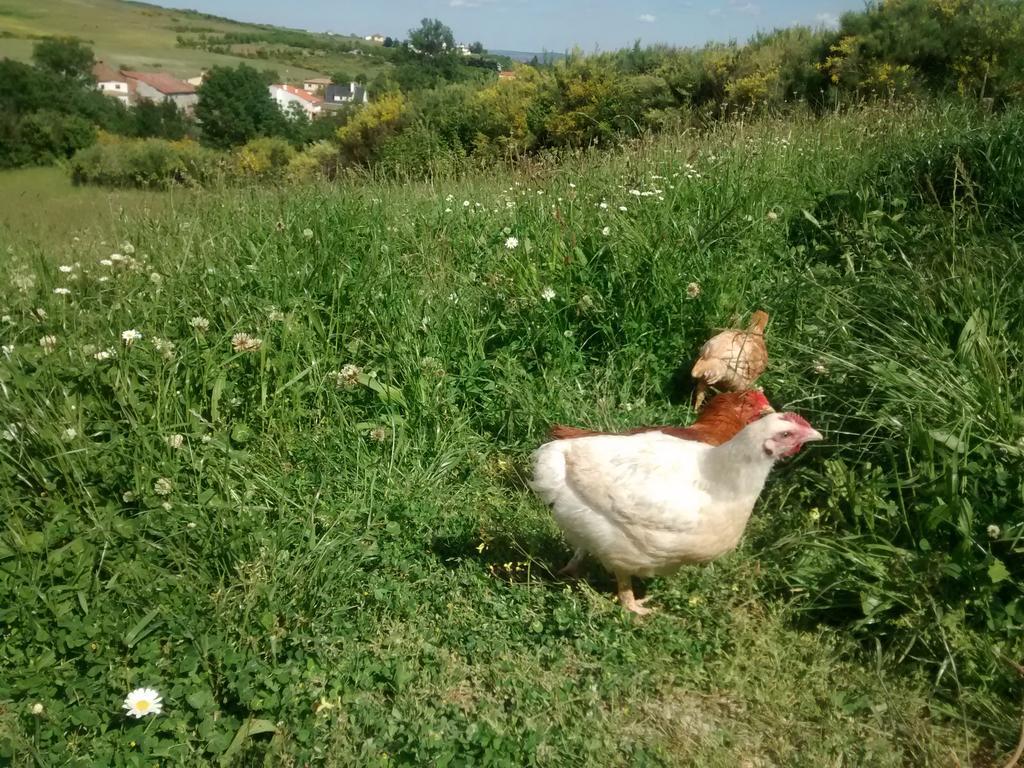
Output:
(786, 435)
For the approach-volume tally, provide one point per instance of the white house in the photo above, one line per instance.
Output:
(346, 93)
(111, 82)
(374, 38)
(316, 84)
(160, 86)
(286, 95)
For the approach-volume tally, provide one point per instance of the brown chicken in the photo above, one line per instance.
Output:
(732, 360)
(723, 418)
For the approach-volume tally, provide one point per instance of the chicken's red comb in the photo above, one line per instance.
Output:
(796, 418)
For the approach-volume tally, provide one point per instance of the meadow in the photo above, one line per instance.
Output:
(129, 35)
(264, 451)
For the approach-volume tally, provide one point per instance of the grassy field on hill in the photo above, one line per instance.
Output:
(293, 500)
(131, 35)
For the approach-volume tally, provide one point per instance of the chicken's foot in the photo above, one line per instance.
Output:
(572, 568)
(626, 597)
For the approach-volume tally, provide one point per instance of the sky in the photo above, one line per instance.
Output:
(537, 25)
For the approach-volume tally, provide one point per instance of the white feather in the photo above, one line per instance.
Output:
(647, 503)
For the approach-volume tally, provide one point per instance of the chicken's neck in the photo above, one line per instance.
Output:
(738, 467)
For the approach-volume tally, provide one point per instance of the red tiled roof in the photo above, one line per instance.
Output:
(101, 73)
(161, 81)
(304, 95)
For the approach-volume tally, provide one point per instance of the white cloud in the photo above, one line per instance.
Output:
(647, 18)
(827, 19)
(746, 9)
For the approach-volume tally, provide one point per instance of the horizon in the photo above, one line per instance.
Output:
(512, 25)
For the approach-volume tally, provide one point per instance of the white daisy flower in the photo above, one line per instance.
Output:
(130, 336)
(142, 702)
(106, 262)
(62, 291)
(307, 233)
(606, 231)
(623, 208)
(512, 243)
(548, 293)
(66, 268)
(128, 248)
(465, 203)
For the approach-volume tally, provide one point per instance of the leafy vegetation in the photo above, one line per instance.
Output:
(293, 502)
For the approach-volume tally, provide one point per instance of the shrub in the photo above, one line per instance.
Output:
(361, 138)
(263, 159)
(318, 161)
(149, 163)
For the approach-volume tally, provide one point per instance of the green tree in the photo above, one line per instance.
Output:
(65, 56)
(432, 38)
(235, 106)
(477, 47)
(162, 121)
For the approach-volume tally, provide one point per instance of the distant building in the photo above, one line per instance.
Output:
(287, 95)
(463, 49)
(374, 38)
(316, 84)
(159, 86)
(197, 80)
(349, 93)
(506, 74)
(112, 83)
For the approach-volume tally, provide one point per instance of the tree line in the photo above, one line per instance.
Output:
(434, 103)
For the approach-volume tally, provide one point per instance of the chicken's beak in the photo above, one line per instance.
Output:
(766, 410)
(811, 435)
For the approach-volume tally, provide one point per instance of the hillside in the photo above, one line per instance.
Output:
(132, 35)
(263, 450)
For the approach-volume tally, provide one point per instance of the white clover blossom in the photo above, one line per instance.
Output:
(48, 343)
(130, 336)
(243, 342)
(693, 290)
(200, 324)
(347, 377)
(512, 243)
(163, 486)
(175, 441)
(548, 294)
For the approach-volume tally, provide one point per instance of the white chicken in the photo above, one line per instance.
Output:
(648, 503)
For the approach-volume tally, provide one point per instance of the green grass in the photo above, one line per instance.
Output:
(39, 207)
(130, 35)
(356, 574)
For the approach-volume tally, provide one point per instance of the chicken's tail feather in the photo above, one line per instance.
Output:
(562, 432)
(548, 471)
(758, 322)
